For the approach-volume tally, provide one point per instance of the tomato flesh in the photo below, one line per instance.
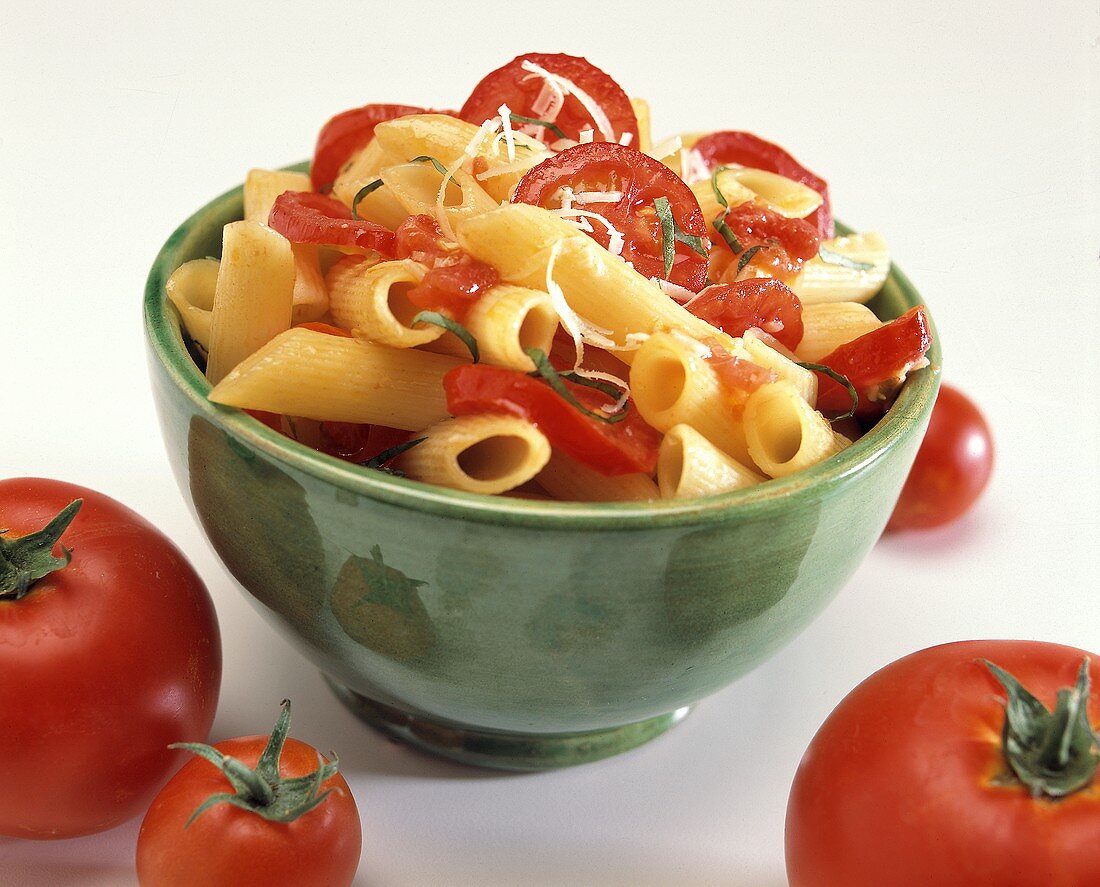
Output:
(783, 244)
(520, 90)
(454, 280)
(624, 447)
(306, 217)
(876, 364)
(952, 468)
(345, 134)
(641, 180)
(745, 149)
(761, 303)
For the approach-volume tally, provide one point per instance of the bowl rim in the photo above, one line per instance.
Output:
(165, 340)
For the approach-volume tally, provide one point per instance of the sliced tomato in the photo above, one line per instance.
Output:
(876, 364)
(624, 447)
(737, 377)
(760, 302)
(746, 149)
(765, 239)
(306, 217)
(526, 93)
(455, 279)
(346, 133)
(641, 181)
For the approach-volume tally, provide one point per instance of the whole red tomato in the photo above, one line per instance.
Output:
(918, 777)
(106, 659)
(252, 812)
(952, 467)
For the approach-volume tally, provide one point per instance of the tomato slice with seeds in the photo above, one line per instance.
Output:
(876, 364)
(760, 302)
(346, 133)
(746, 149)
(455, 279)
(526, 94)
(778, 245)
(306, 217)
(641, 181)
(623, 447)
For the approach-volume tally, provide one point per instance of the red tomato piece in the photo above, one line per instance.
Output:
(455, 280)
(761, 302)
(233, 846)
(105, 662)
(346, 133)
(623, 447)
(876, 364)
(738, 377)
(306, 217)
(520, 90)
(907, 782)
(952, 468)
(784, 244)
(641, 180)
(746, 149)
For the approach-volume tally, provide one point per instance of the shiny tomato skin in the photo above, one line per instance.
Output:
(760, 302)
(784, 244)
(229, 847)
(306, 217)
(514, 86)
(747, 149)
(953, 465)
(641, 179)
(345, 134)
(897, 787)
(104, 662)
(454, 280)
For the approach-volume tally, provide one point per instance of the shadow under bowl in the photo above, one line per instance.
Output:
(512, 633)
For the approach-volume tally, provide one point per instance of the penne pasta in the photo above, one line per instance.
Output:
(416, 185)
(572, 481)
(372, 302)
(331, 378)
(828, 325)
(641, 114)
(489, 453)
(262, 186)
(310, 298)
(191, 289)
(689, 465)
(856, 269)
(254, 295)
(784, 433)
(507, 320)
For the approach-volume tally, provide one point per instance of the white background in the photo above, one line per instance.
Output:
(964, 131)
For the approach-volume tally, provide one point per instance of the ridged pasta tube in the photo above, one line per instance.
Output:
(191, 289)
(372, 302)
(507, 320)
(828, 325)
(689, 466)
(838, 280)
(568, 480)
(785, 434)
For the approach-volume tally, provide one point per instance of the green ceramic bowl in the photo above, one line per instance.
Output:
(504, 632)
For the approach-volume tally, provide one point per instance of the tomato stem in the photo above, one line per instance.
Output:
(26, 559)
(1052, 753)
(261, 790)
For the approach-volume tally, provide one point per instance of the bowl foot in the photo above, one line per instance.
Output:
(500, 750)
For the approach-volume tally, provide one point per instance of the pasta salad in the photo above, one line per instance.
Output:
(529, 296)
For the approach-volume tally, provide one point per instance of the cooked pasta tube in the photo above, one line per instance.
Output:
(857, 267)
(827, 325)
(567, 479)
(380, 205)
(488, 453)
(447, 138)
(785, 434)
(416, 186)
(262, 186)
(191, 289)
(306, 373)
(756, 350)
(310, 299)
(372, 301)
(673, 384)
(642, 115)
(689, 465)
(254, 295)
(507, 320)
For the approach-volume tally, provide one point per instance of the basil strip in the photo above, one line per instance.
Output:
(361, 193)
(598, 384)
(668, 232)
(727, 234)
(832, 258)
(378, 463)
(545, 124)
(746, 257)
(439, 167)
(718, 195)
(693, 242)
(840, 380)
(544, 369)
(451, 326)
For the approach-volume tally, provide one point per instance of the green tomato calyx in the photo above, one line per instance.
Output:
(26, 559)
(1051, 753)
(262, 790)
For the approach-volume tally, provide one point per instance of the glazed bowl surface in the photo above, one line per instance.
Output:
(516, 633)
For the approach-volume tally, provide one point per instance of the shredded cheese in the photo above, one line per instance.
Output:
(692, 166)
(611, 408)
(506, 126)
(615, 237)
(680, 293)
(626, 138)
(560, 87)
(586, 136)
(468, 153)
(666, 148)
(583, 197)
